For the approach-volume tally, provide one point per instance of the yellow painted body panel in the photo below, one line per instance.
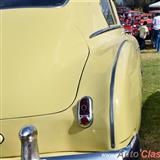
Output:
(35, 56)
(53, 45)
(127, 97)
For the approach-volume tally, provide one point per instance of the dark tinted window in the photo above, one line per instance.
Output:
(107, 11)
(30, 3)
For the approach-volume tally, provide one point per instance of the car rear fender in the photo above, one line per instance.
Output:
(126, 100)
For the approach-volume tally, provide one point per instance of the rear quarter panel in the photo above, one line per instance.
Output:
(127, 91)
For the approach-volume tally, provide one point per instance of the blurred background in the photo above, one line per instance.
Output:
(143, 5)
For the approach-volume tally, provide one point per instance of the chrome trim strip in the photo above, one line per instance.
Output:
(112, 131)
(112, 155)
(109, 8)
(1, 138)
(99, 32)
(66, 2)
(127, 31)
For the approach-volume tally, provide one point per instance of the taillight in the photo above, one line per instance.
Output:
(85, 112)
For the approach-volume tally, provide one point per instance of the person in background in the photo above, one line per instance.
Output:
(158, 43)
(137, 23)
(156, 29)
(143, 32)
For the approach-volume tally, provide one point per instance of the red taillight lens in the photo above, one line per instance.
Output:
(84, 121)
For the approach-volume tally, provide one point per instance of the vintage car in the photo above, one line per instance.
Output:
(133, 13)
(70, 81)
(122, 10)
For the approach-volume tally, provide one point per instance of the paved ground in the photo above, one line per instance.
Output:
(150, 127)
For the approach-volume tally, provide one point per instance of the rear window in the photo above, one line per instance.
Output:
(4, 4)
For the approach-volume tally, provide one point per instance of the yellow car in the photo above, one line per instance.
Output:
(70, 81)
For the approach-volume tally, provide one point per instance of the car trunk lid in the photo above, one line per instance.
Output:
(40, 62)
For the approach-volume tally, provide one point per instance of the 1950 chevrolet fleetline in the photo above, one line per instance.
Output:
(70, 81)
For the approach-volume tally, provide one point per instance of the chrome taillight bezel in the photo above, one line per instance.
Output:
(89, 116)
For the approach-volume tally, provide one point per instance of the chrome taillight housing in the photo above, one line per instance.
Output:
(85, 112)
